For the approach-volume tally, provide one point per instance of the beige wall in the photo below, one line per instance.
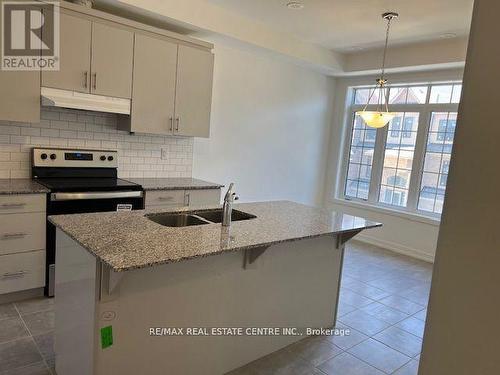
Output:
(269, 129)
(444, 53)
(463, 330)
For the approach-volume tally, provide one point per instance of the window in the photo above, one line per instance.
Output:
(443, 134)
(395, 126)
(398, 161)
(408, 127)
(405, 164)
(443, 178)
(444, 94)
(437, 161)
(360, 160)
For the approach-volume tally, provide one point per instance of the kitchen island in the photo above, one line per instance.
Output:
(135, 296)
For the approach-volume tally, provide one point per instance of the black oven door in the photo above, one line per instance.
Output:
(75, 203)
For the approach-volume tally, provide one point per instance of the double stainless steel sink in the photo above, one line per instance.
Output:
(175, 219)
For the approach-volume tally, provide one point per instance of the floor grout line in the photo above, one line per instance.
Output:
(33, 338)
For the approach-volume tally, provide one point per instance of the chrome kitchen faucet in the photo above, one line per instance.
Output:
(227, 208)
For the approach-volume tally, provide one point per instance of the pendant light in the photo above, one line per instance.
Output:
(381, 116)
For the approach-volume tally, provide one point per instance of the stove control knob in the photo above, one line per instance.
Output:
(53, 156)
(43, 156)
(110, 158)
(103, 157)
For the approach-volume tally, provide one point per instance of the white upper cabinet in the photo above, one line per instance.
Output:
(172, 91)
(193, 95)
(155, 64)
(112, 59)
(74, 64)
(96, 58)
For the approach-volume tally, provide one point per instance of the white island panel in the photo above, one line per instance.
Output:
(292, 284)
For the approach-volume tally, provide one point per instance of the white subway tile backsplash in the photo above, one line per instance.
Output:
(10, 129)
(85, 135)
(10, 148)
(20, 174)
(139, 155)
(92, 144)
(76, 143)
(49, 115)
(9, 165)
(58, 142)
(49, 132)
(56, 124)
(68, 116)
(30, 131)
(19, 156)
(19, 139)
(68, 134)
(40, 141)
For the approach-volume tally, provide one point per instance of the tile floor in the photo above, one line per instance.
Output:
(382, 303)
(26, 339)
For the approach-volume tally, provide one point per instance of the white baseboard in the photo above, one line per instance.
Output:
(22, 295)
(396, 247)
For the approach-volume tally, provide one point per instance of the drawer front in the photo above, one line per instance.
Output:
(22, 232)
(206, 197)
(22, 271)
(10, 204)
(168, 198)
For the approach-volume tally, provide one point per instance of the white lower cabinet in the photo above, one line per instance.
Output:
(181, 198)
(22, 232)
(22, 271)
(203, 197)
(165, 198)
(22, 242)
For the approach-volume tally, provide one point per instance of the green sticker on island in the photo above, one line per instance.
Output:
(106, 337)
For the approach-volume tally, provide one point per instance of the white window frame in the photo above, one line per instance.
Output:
(424, 111)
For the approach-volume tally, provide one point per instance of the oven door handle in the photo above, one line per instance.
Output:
(95, 195)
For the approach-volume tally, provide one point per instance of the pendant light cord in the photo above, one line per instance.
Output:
(389, 19)
(381, 82)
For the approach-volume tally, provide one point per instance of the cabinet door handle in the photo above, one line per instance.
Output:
(163, 199)
(177, 121)
(12, 236)
(14, 275)
(85, 79)
(95, 81)
(188, 199)
(171, 123)
(8, 206)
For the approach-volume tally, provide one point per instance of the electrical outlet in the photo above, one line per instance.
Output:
(164, 153)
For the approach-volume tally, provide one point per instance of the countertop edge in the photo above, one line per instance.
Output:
(23, 192)
(162, 188)
(30, 187)
(174, 183)
(169, 261)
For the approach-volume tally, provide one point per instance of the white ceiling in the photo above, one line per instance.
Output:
(347, 25)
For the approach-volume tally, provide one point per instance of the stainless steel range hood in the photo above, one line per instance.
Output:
(71, 99)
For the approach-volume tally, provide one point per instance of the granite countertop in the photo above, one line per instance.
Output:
(129, 240)
(174, 183)
(20, 186)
